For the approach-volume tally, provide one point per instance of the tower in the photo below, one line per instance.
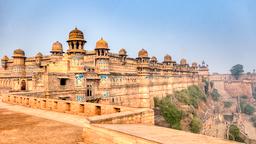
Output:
(18, 69)
(38, 58)
(122, 54)
(154, 65)
(76, 42)
(102, 57)
(18, 57)
(57, 49)
(168, 64)
(4, 61)
(143, 62)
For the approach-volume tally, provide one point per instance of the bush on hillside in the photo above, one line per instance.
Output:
(190, 96)
(215, 95)
(171, 114)
(227, 104)
(247, 108)
(234, 133)
(253, 118)
(195, 125)
(244, 97)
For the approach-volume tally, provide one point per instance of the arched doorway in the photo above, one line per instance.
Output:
(23, 85)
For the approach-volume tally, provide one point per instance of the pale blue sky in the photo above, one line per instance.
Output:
(221, 32)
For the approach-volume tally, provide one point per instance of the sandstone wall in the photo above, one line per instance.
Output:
(72, 107)
(238, 88)
(95, 113)
(139, 91)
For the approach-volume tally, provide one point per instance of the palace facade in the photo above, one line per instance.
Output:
(97, 75)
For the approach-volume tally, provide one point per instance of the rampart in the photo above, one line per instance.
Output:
(95, 113)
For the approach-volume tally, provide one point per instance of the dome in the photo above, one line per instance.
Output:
(122, 52)
(76, 34)
(57, 47)
(183, 61)
(101, 44)
(5, 58)
(143, 53)
(39, 55)
(19, 52)
(153, 59)
(194, 64)
(167, 58)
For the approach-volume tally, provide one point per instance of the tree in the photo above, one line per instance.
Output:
(237, 70)
(195, 125)
(234, 133)
(171, 114)
(215, 95)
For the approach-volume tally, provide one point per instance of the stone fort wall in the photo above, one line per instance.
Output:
(140, 91)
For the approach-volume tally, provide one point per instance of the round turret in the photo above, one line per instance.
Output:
(194, 65)
(143, 53)
(39, 55)
(5, 58)
(167, 58)
(122, 52)
(153, 59)
(76, 34)
(183, 62)
(101, 44)
(18, 53)
(57, 47)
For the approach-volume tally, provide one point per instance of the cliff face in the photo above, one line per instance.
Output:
(238, 88)
(229, 89)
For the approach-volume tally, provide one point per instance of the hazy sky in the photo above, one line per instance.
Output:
(221, 32)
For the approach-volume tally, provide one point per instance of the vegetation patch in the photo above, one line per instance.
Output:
(253, 120)
(170, 113)
(227, 104)
(244, 97)
(215, 94)
(247, 108)
(234, 133)
(190, 96)
(195, 125)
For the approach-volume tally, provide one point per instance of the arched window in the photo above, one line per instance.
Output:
(89, 90)
(23, 85)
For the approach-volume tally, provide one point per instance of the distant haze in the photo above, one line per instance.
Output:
(221, 32)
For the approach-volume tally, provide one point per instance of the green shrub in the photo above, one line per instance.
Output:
(171, 114)
(195, 125)
(227, 104)
(246, 108)
(234, 133)
(253, 118)
(191, 96)
(244, 97)
(182, 96)
(215, 95)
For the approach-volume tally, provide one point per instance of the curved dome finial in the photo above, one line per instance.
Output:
(143, 53)
(101, 44)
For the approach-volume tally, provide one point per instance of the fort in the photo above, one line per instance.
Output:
(97, 75)
(109, 94)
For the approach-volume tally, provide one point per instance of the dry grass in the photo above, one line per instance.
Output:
(24, 129)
